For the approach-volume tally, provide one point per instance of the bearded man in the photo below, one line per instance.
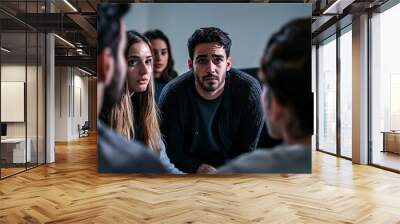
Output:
(212, 113)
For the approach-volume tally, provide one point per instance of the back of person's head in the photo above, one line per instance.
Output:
(168, 73)
(209, 35)
(286, 71)
(109, 25)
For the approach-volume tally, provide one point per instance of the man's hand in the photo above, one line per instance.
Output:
(205, 168)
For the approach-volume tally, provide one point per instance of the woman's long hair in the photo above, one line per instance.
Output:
(138, 110)
(168, 74)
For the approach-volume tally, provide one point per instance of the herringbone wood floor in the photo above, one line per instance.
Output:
(70, 191)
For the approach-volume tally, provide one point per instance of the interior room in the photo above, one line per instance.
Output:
(48, 104)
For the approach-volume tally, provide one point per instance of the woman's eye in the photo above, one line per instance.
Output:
(149, 62)
(132, 62)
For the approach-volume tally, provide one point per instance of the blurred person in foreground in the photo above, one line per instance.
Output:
(287, 103)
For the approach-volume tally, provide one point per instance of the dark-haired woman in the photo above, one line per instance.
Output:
(163, 61)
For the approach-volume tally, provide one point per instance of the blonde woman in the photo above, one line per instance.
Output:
(135, 115)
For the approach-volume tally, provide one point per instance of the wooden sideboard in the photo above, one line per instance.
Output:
(391, 141)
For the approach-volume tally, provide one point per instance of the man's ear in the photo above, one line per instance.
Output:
(190, 64)
(106, 66)
(228, 63)
(276, 110)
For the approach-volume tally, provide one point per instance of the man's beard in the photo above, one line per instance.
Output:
(113, 92)
(206, 87)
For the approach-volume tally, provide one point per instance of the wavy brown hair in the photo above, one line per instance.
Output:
(138, 111)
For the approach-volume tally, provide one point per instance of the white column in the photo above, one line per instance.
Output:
(50, 93)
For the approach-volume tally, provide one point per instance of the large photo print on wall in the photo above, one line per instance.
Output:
(204, 88)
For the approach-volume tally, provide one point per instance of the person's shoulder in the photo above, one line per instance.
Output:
(280, 159)
(244, 83)
(244, 86)
(242, 78)
(255, 157)
(252, 162)
(294, 149)
(118, 155)
(108, 139)
(294, 158)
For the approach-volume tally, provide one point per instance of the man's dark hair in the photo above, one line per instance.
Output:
(109, 26)
(209, 35)
(168, 74)
(286, 71)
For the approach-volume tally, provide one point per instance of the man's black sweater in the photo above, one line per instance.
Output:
(237, 122)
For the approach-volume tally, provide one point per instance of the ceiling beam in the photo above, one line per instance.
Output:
(90, 31)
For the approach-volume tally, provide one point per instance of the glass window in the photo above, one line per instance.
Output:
(15, 151)
(327, 95)
(385, 88)
(22, 89)
(346, 92)
(31, 97)
(41, 98)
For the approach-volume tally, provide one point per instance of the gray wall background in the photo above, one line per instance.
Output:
(249, 25)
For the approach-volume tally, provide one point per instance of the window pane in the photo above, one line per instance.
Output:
(346, 94)
(15, 150)
(385, 84)
(41, 98)
(327, 96)
(31, 99)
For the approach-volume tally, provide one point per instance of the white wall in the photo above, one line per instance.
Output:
(249, 25)
(70, 83)
(61, 103)
(14, 73)
(17, 73)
